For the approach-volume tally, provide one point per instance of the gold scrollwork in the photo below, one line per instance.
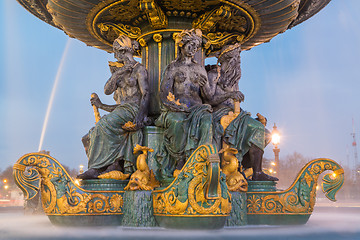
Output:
(186, 196)
(111, 31)
(191, 5)
(208, 20)
(59, 194)
(155, 15)
(299, 198)
(220, 39)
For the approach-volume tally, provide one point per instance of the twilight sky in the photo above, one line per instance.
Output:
(306, 80)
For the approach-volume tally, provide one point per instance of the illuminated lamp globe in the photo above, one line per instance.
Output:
(275, 136)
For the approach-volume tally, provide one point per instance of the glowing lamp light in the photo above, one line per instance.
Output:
(6, 186)
(275, 136)
(5, 180)
(270, 170)
(273, 163)
(81, 169)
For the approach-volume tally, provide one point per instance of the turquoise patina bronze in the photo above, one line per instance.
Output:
(62, 199)
(183, 103)
(182, 204)
(294, 205)
(109, 145)
(187, 122)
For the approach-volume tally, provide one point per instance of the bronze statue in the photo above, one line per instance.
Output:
(245, 134)
(109, 145)
(185, 117)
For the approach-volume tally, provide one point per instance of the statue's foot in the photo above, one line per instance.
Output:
(92, 173)
(261, 176)
(114, 167)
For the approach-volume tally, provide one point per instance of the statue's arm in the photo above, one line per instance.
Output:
(95, 101)
(208, 85)
(111, 84)
(220, 96)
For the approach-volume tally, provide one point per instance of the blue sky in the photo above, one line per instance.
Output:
(306, 80)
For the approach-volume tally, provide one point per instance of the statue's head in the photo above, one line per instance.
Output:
(229, 58)
(123, 46)
(189, 41)
(229, 52)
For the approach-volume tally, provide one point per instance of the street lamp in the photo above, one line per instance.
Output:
(81, 169)
(275, 140)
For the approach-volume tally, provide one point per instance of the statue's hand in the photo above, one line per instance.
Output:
(95, 101)
(138, 124)
(202, 80)
(238, 96)
(177, 108)
(122, 70)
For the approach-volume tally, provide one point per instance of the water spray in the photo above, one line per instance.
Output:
(53, 92)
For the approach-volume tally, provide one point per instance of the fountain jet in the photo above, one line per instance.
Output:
(53, 92)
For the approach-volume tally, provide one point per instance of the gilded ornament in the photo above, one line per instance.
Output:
(227, 119)
(186, 195)
(143, 178)
(220, 39)
(189, 5)
(129, 124)
(157, 37)
(299, 198)
(142, 42)
(234, 23)
(59, 193)
(111, 31)
(123, 11)
(171, 98)
(96, 110)
(117, 175)
(230, 164)
(116, 64)
(155, 15)
(208, 20)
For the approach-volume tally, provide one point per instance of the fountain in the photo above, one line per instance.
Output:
(185, 177)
